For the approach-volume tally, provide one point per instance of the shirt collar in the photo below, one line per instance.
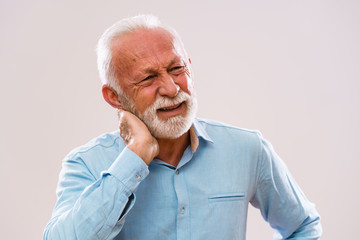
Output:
(197, 131)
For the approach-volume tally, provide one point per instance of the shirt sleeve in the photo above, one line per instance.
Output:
(281, 201)
(90, 208)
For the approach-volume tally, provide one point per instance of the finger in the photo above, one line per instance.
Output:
(120, 112)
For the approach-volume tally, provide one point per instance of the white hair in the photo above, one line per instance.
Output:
(120, 28)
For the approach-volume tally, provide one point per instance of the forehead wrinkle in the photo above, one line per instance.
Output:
(166, 65)
(152, 56)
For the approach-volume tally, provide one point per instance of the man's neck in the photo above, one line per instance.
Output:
(172, 150)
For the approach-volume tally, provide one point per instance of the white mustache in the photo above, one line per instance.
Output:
(163, 102)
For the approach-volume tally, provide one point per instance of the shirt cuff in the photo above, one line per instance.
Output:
(129, 168)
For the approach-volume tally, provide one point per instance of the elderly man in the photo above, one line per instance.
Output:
(166, 174)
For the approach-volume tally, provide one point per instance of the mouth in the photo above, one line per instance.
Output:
(170, 108)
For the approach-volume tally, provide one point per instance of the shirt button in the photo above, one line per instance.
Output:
(182, 210)
(177, 172)
(138, 177)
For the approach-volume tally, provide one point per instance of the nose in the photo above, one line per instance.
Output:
(168, 87)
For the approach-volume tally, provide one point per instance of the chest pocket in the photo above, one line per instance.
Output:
(227, 212)
(225, 197)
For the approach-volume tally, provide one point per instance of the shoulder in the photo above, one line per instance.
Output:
(219, 129)
(93, 157)
(103, 143)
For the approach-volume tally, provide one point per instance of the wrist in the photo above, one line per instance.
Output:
(146, 150)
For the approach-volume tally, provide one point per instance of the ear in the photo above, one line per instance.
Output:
(111, 97)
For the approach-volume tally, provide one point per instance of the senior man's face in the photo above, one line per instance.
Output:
(155, 77)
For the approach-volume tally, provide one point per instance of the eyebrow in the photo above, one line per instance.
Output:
(152, 70)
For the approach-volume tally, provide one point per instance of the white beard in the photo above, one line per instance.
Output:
(172, 127)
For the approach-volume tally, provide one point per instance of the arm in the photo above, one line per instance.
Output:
(91, 208)
(281, 201)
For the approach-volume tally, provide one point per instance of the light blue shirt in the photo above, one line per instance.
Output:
(205, 197)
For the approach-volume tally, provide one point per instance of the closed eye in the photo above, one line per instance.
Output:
(177, 69)
(148, 78)
(146, 81)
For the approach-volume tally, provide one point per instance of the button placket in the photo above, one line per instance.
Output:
(183, 210)
(182, 222)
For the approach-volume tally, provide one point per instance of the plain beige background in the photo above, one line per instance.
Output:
(290, 69)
